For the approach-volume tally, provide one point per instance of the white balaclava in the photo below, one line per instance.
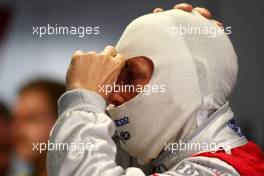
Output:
(192, 66)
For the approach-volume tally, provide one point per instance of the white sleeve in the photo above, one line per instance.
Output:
(81, 139)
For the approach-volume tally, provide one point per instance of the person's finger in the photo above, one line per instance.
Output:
(78, 52)
(204, 12)
(218, 23)
(184, 6)
(121, 58)
(157, 10)
(109, 50)
(121, 62)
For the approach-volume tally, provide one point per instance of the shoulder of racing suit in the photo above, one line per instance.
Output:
(201, 166)
(247, 159)
(244, 160)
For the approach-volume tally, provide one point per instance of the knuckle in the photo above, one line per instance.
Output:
(76, 57)
(158, 10)
(91, 53)
(103, 56)
(184, 4)
(110, 47)
(197, 8)
(91, 56)
(77, 53)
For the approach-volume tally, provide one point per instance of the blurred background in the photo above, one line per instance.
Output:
(25, 57)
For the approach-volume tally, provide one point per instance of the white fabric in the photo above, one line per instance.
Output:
(191, 66)
(82, 120)
(215, 132)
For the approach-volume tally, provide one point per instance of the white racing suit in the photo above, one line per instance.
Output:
(198, 71)
(82, 119)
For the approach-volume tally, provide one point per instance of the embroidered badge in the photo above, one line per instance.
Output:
(121, 122)
(235, 127)
(124, 136)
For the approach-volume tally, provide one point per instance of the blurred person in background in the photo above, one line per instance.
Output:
(4, 139)
(34, 114)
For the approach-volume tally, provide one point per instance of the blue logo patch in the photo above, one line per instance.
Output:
(121, 122)
(234, 126)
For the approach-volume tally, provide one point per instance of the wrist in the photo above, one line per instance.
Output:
(81, 97)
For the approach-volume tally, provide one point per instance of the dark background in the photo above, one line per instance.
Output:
(24, 56)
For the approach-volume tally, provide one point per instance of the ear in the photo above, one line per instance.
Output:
(147, 64)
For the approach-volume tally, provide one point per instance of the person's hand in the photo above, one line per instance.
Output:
(189, 8)
(92, 71)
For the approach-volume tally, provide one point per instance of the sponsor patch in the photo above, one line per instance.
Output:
(121, 122)
(235, 127)
(124, 136)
